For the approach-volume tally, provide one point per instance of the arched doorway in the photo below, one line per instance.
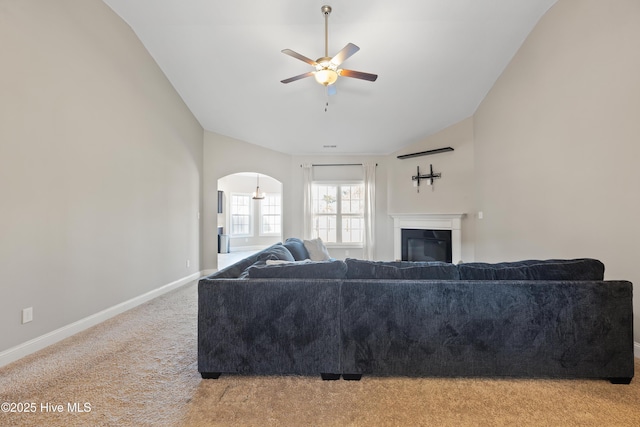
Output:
(246, 223)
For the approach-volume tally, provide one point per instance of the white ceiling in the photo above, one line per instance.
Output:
(436, 60)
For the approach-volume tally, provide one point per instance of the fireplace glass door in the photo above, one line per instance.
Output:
(426, 245)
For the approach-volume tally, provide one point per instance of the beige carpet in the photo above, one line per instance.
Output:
(139, 369)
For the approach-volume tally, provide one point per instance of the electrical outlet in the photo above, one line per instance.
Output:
(188, 263)
(27, 315)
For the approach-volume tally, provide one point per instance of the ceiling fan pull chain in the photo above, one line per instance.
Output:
(326, 105)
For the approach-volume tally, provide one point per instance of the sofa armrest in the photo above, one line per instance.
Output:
(488, 328)
(267, 326)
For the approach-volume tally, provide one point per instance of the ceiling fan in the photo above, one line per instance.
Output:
(326, 68)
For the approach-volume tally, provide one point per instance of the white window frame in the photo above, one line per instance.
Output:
(231, 215)
(339, 215)
(262, 215)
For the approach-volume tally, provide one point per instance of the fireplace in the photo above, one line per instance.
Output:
(433, 232)
(426, 245)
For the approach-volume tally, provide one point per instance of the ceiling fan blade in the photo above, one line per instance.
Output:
(300, 57)
(345, 53)
(358, 75)
(294, 78)
(331, 90)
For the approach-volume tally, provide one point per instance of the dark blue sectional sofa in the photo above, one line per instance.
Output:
(534, 319)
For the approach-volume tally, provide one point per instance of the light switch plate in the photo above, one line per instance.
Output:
(27, 315)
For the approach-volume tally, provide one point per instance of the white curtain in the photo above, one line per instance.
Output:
(369, 209)
(307, 178)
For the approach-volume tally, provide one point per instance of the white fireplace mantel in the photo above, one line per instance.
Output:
(427, 221)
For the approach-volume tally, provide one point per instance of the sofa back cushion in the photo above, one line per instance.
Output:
(553, 269)
(297, 249)
(334, 269)
(362, 269)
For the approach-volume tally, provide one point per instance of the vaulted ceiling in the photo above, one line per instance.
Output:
(436, 60)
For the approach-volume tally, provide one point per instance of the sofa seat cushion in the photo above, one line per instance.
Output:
(334, 269)
(362, 269)
(553, 269)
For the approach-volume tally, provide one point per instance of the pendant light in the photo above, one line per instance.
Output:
(258, 195)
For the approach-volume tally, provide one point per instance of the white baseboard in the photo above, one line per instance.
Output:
(31, 346)
(205, 273)
(636, 349)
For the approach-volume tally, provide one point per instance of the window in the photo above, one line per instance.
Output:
(338, 212)
(245, 219)
(240, 211)
(270, 215)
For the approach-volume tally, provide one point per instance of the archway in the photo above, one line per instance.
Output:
(247, 224)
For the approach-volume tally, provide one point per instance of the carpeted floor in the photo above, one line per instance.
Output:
(140, 369)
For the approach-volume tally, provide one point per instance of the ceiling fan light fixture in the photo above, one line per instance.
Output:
(326, 68)
(326, 76)
(326, 73)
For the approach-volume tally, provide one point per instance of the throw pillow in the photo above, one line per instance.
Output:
(278, 262)
(317, 250)
(276, 252)
(297, 249)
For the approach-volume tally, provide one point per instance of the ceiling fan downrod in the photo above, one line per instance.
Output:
(326, 11)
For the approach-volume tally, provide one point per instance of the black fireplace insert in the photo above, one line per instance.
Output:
(426, 245)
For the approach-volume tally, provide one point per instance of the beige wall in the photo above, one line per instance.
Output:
(450, 194)
(557, 143)
(100, 167)
(225, 156)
